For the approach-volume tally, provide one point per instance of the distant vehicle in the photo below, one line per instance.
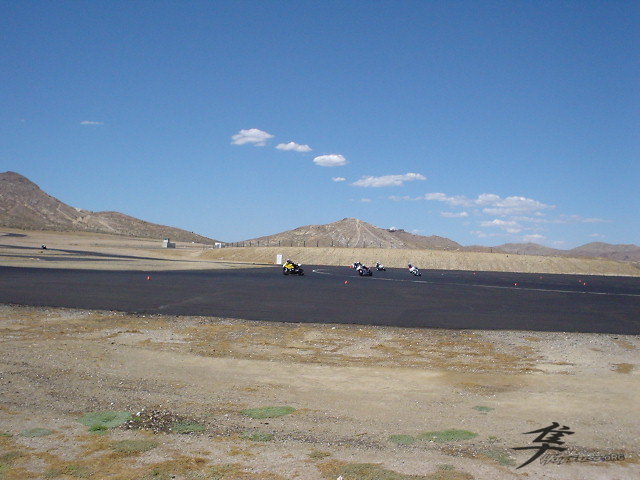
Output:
(290, 268)
(362, 269)
(414, 270)
(380, 267)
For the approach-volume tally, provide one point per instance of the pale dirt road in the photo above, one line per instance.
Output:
(363, 397)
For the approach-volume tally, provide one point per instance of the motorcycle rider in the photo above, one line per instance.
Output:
(413, 269)
(289, 264)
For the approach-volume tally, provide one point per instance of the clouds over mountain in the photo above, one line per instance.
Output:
(388, 180)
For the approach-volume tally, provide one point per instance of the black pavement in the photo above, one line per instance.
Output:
(438, 299)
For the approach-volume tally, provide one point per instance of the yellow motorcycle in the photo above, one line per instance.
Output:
(291, 268)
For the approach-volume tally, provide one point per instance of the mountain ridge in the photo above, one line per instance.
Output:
(24, 205)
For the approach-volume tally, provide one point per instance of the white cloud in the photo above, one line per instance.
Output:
(365, 200)
(396, 198)
(333, 160)
(89, 122)
(454, 214)
(536, 237)
(508, 226)
(296, 147)
(481, 234)
(257, 137)
(339, 179)
(597, 235)
(493, 204)
(388, 180)
(510, 205)
(456, 201)
(579, 219)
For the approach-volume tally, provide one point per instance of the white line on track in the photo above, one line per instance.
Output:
(493, 286)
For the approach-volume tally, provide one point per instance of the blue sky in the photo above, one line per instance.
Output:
(485, 122)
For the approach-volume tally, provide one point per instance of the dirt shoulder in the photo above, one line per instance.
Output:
(20, 248)
(365, 402)
(427, 259)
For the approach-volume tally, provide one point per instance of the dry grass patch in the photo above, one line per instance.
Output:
(623, 367)
(371, 471)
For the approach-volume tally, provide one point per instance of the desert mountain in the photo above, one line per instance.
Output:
(351, 232)
(529, 249)
(24, 205)
(625, 253)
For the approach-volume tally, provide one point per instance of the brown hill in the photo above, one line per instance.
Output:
(529, 249)
(24, 205)
(624, 253)
(351, 232)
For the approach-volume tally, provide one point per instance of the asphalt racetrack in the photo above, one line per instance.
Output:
(437, 299)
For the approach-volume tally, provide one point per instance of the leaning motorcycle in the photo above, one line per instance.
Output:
(364, 271)
(292, 269)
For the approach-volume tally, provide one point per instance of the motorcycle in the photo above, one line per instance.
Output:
(414, 271)
(364, 271)
(380, 267)
(292, 269)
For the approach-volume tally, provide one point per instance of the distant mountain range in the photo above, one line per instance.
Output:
(351, 232)
(24, 205)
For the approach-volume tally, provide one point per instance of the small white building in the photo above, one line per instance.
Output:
(166, 243)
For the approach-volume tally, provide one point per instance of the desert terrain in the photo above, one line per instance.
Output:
(103, 394)
(21, 248)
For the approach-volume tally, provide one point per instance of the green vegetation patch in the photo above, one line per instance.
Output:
(500, 456)
(187, 427)
(318, 455)
(6, 460)
(9, 457)
(402, 439)
(444, 436)
(73, 470)
(370, 471)
(133, 446)
(482, 409)
(225, 471)
(98, 429)
(268, 412)
(257, 436)
(36, 432)
(104, 419)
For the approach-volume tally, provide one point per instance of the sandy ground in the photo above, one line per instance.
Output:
(366, 403)
(148, 255)
(362, 396)
(428, 259)
(100, 252)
